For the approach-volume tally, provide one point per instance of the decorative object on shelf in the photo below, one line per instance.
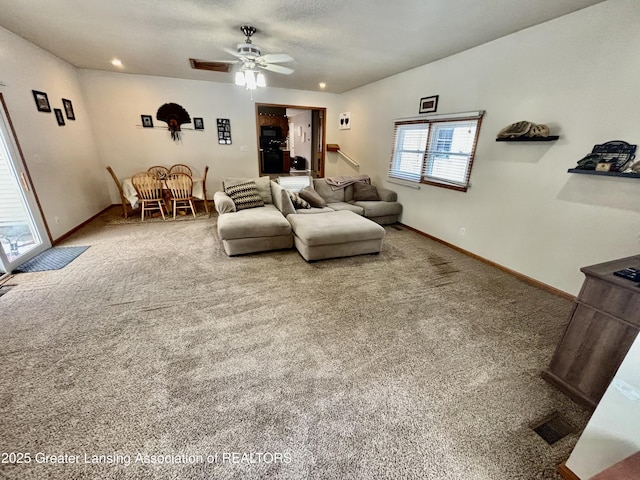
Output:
(634, 167)
(524, 130)
(68, 109)
(613, 156)
(59, 116)
(345, 121)
(224, 131)
(147, 121)
(198, 123)
(174, 115)
(42, 101)
(429, 104)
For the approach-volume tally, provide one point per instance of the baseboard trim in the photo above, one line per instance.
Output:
(566, 473)
(75, 229)
(524, 278)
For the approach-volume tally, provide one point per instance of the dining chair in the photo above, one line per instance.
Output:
(119, 185)
(182, 168)
(204, 188)
(149, 189)
(181, 187)
(159, 171)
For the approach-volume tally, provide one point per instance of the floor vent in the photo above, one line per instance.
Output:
(553, 428)
(5, 289)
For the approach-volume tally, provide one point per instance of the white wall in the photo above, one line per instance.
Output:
(579, 75)
(116, 101)
(62, 161)
(613, 432)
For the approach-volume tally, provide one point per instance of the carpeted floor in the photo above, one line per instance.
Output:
(417, 363)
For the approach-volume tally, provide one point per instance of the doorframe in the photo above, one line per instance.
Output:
(323, 110)
(20, 162)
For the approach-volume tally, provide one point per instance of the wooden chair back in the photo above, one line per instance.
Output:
(148, 186)
(180, 167)
(159, 171)
(180, 184)
(204, 188)
(120, 191)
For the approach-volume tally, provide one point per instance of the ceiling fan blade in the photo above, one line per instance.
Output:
(276, 68)
(275, 58)
(224, 67)
(233, 52)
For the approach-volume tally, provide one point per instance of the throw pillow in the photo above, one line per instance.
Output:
(244, 195)
(297, 201)
(313, 197)
(364, 192)
(263, 184)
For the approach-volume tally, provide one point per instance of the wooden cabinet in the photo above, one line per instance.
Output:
(603, 324)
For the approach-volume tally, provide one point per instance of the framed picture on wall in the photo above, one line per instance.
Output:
(68, 109)
(147, 121)
(429, 104)
(42, 101)
(198, 123)
(59, 116)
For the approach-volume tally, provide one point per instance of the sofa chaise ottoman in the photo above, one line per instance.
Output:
(335, 234)
(251, 230)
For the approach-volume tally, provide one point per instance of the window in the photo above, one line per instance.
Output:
(436, 151)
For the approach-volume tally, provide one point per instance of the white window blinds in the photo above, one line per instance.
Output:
(410, 144)
(435, 151)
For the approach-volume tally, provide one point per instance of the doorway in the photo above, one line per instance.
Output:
(299, 146)
(23, 232)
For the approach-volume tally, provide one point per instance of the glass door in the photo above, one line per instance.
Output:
(23, 232)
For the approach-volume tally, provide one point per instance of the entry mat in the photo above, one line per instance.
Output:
(52, 259)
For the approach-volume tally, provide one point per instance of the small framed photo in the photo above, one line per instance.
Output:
(59, 116)
(429, 104)
(42, 101)
(147, 121)
(68, 109)
(198, 123)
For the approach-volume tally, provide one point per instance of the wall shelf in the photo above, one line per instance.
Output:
(603, 174)
(529, 139)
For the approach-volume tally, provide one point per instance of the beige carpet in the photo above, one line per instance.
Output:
(417, 363)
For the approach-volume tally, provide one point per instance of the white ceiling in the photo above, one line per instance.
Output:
(345, 43)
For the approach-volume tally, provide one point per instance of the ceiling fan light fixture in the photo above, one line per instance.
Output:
(240, 79)
(250, 79)
(261, 81)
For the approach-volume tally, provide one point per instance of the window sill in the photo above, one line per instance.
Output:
(450, 186)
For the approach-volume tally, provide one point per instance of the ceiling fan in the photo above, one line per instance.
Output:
(249, 56)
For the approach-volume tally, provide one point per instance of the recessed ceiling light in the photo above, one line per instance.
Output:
(322, 85)
(116, 62)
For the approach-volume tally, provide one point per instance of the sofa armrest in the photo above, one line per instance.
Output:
(387, 195)
(223, 203)
(281, 199)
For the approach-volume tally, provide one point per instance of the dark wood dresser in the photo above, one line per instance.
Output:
(603, 324)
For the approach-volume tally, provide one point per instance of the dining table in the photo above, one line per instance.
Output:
(131, 195)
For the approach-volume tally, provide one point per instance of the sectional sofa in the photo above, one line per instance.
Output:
(279, 224)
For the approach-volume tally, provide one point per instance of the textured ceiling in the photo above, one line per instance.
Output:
(345, 43)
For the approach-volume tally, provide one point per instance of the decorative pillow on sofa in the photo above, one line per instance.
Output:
(364, 192)
(244, 195)
(263, 184)
(313, 197)
(297, 201)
